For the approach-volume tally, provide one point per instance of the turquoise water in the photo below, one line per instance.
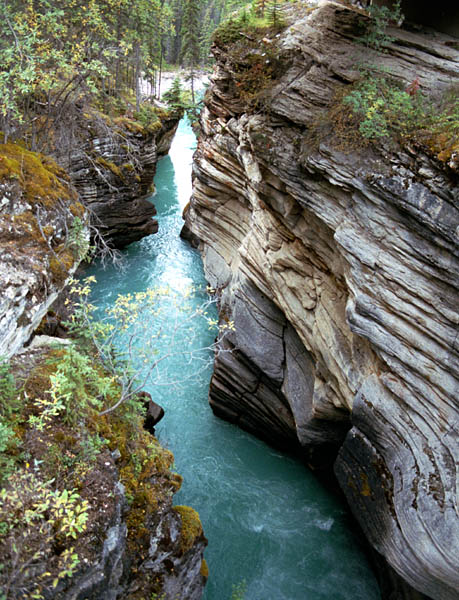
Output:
(269, 523)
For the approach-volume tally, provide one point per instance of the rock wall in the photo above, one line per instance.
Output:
(338, 265)
(108, 174)
(136, 544)
(113, 169)
(40, 245)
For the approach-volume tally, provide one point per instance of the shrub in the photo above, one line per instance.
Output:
(9, 406)
(9, 442)
(37, 525)
(7, 387)
(382, 109)
(375, 35)
(78, 390)
(78, 239)
(131, 358)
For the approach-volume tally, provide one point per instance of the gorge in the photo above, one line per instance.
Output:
(272, 528)
(328, 230)
(338, 265)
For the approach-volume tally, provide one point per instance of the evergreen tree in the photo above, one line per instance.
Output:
(190, 53)
(174, 96)
(206, 36)
(274, 13)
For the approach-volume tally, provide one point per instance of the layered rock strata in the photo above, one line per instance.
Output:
(42, 238)
(113, 171)
(339, 267)
(127, 551)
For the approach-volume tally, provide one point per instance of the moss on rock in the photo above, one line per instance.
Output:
(191, 527)
(39, 176)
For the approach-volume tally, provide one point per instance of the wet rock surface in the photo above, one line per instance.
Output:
(339, 267)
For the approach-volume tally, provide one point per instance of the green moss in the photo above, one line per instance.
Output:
(129, 124)
(204, 568)
(144, 471)
(77, 209)
(39, 176)
(153, 127)
(37, 382)
(61, 264)
(110, 166)
(191, 527)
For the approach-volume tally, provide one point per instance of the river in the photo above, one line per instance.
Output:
(271, 526)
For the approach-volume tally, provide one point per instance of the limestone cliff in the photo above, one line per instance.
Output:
(112, 167)
(104, 178)
(42, 239)
(337, 262)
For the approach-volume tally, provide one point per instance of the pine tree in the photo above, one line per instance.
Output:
(206, 35)
(274, 14)
(190, 39)
(173, 96)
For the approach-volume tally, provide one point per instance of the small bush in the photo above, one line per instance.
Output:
(37, 525)
(381, 17)
(78, 239)
(9, 406)
(7, 388)
(382, 109)
(9, 443)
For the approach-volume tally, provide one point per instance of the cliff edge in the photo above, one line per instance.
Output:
(335, 254)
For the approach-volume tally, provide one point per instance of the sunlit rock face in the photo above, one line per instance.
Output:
(339, 268)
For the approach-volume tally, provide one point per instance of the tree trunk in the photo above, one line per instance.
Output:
(137, 77)
(192, 85)
(160, 70)
(118, 53)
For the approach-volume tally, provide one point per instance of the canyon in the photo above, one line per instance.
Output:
(337, 262)
(137, 543)
(334, 258)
